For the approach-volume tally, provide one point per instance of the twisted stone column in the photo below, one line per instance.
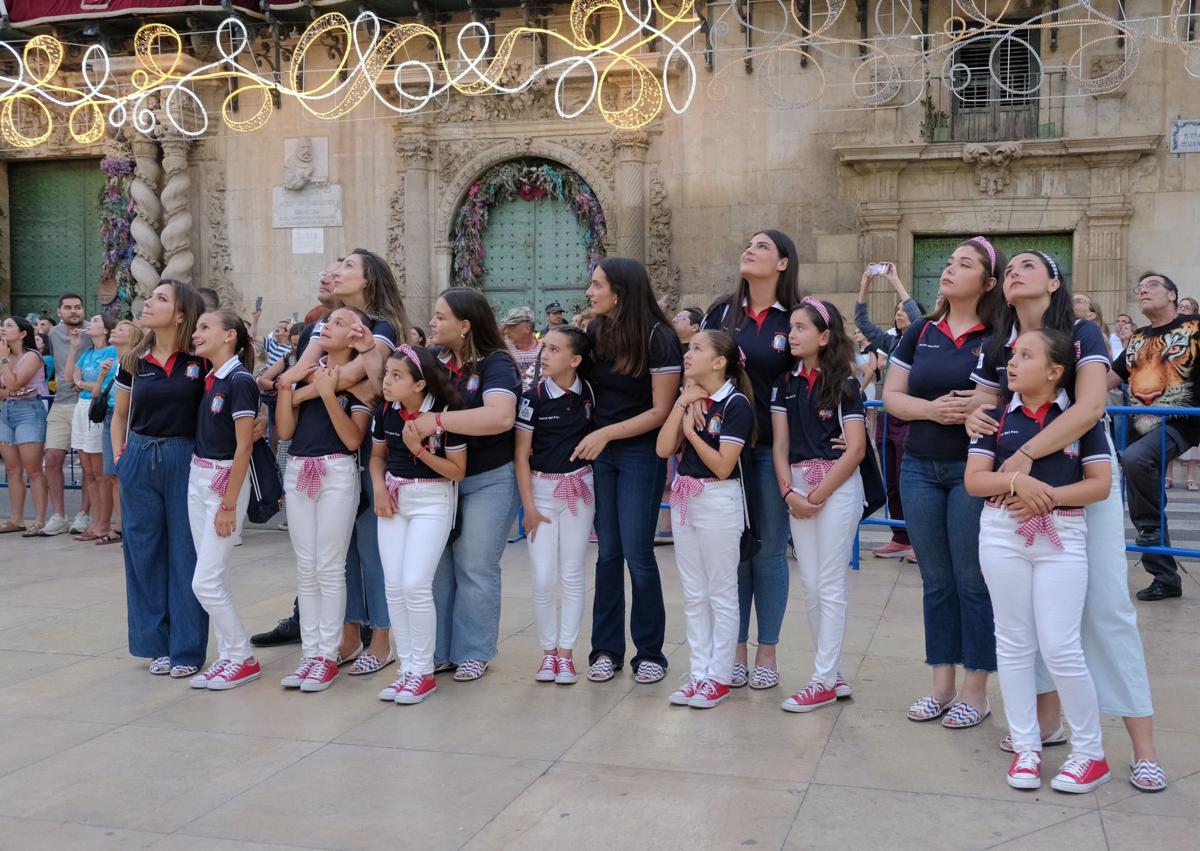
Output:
(176, 198)
(147, 176)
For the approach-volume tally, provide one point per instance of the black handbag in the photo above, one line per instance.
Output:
(98, 410)
(874, 492)
(266, 489)
(749, 545)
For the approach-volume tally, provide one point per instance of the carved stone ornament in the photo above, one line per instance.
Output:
(220, 259)
(395, 232)
(992, 164)
(533, 103)
(663, 275)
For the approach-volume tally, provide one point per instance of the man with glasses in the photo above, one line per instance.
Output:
(1161, 365)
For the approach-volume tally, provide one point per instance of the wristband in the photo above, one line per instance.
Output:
(1012, 485)
(1025, 452)
(424, 451)
(225, 507)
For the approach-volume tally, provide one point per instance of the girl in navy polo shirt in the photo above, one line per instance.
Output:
(1035, 559)
(1038, 297)
(811, 406)
(322, 487)
(159, 388)
(217, 496)
(708, 514)
(636, 361)
(756, 314)
(466, 587)
(930, 385)
(552, 417)
(415, 498)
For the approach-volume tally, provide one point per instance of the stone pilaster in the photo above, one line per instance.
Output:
(630, 180)
(411, 237)
(879, 229)
(1108, 214)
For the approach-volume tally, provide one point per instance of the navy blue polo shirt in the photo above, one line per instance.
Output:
(495, 373)
(763, 338)
(622, 397)
(231, 395)
(1090, 347)
(728, 418)
(164, 398)
(937, 363)
(558, 420)
(389, 430)
(381, 330)
(811, 430)
(315, 435)
(1019, 425)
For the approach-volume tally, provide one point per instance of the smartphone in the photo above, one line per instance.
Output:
(258, 303)
(879, 268)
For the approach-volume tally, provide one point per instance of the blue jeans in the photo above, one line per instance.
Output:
(943, 525)
(764, 578)
(466, 586)
(165, 618)
(629, 483)
(366, 601)
(110, 465)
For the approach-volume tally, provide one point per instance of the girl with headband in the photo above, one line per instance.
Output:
(812, 405)
(1038, 298)
(930, 385)
(414, 483)
(322, 486)
(708, 511)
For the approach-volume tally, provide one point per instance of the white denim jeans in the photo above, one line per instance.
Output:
(411, 542)
(210, 581)
(556, 556)
(320, 531)
(824, 544)
(707, 552)
(1037, 594)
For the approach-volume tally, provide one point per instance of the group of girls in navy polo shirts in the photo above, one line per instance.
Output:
(768, 421)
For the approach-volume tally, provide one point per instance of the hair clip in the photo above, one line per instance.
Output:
(741, 358)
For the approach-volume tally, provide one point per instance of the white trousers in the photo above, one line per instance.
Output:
(1037, 596)
(707, 551)
(210, 582)
(320, 531)
(411, 542)
(556, 557)
(824, 544)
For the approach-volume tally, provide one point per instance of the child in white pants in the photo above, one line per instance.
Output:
(1033, 552)
(811, 406)
(556, 491)
(415, 498)
(322, 487)
(707, 508)
(217, 498)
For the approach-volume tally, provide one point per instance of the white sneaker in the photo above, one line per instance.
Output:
(80, 523)
(238, 542)
(56, 525)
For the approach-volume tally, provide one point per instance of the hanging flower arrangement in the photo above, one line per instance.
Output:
(116, 213)
(531, 181)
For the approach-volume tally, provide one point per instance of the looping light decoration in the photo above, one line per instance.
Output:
(159, 93)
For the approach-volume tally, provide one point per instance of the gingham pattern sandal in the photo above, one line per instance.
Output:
(1147, 776)
(963, 715)
(1058, 737)
(471, 669)
(161, 666)
(602, 670)
(764, 677)
(927, 709)
(738, 678)
(649, 672)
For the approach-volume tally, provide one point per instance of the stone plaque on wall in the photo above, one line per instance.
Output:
(310, 207)
(1185, 136)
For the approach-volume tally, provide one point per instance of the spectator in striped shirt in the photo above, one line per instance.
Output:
(525, 348)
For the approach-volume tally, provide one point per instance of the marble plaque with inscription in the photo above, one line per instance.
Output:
(310, 207)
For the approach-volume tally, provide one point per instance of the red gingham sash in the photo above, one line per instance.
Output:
(684, 488)
(570, 488)
(220, 480)
(1043, 524)
(313, 469)
(394, 484)
(814, 470)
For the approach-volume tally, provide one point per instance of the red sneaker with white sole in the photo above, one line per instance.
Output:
(682, 695)
(893, 550)
(321, 675)
(1080, 774)
(416, 688)
(296, 677)
(708, 694)
(1025, 772)
(236, 674)
(202, 680)
(814, 696)
(842, 688)
(548, 670)
(566, 675)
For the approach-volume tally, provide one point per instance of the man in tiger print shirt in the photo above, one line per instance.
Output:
(1160, 364)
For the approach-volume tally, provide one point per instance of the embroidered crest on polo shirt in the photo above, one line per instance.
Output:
(714, 425)
(192, 371)
(825, 414)
(1072, 449)
(472, 383)
(344, 402)
(218, 403)
(779, 343)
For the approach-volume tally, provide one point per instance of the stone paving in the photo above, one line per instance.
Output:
(97, 754)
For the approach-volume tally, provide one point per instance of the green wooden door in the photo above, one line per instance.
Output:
(534, 252)
(930, 254)
(54, 215)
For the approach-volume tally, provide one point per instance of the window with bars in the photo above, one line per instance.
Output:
(996, 80)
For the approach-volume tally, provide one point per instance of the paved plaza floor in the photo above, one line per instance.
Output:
(96, 754)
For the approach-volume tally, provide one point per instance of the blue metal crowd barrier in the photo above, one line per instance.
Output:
(1120, 415)
(71, 484)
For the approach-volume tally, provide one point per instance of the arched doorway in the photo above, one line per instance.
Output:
(528, 232)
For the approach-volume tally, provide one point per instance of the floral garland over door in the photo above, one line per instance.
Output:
(529, 180)
(116, 212)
